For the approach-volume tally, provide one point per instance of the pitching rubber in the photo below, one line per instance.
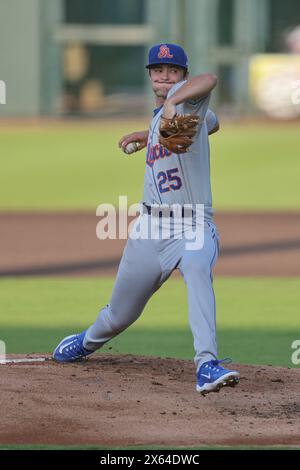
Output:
(23, 360)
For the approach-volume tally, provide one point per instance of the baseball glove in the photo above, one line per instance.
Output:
(177, 134)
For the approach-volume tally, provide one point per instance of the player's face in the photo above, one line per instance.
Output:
(163, 77)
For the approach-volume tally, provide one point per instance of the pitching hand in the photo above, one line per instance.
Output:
(140, 137)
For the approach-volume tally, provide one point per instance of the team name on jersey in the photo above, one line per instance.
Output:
(156, 152)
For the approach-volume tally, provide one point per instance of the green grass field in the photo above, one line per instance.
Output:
(258, 318)
(254, 167)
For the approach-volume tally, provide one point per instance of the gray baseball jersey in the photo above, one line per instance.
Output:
(184, 178)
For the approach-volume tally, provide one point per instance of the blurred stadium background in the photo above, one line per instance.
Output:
(86, 57)
(69, 71)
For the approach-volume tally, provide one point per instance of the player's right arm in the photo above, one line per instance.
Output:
(141, 137)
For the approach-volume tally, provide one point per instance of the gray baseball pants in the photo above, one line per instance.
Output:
(145, 265)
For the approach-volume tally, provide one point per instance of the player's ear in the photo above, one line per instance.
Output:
(186, 75)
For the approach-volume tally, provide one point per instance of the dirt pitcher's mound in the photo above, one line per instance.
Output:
(127, 400)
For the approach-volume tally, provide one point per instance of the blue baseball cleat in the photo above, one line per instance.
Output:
(211, 377)
(71, 349)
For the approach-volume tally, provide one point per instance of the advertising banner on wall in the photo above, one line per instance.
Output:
(274, 82)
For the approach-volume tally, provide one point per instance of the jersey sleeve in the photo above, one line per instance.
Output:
(211, 120)
(198, 107)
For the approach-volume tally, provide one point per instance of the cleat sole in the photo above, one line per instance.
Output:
(231, 381)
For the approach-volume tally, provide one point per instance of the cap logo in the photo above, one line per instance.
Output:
(164, 52)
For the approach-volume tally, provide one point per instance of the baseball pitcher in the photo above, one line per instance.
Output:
(177, 191)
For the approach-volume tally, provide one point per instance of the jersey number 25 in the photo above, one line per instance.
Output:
(168, 180)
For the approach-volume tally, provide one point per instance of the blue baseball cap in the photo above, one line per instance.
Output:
(167, 54)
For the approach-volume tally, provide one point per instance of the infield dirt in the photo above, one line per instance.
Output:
(126, 400)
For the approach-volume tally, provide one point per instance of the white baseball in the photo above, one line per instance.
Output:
(131, 148)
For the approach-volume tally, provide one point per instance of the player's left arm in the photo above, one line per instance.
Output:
(195, 89)
(212, 122)
(214, 130)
